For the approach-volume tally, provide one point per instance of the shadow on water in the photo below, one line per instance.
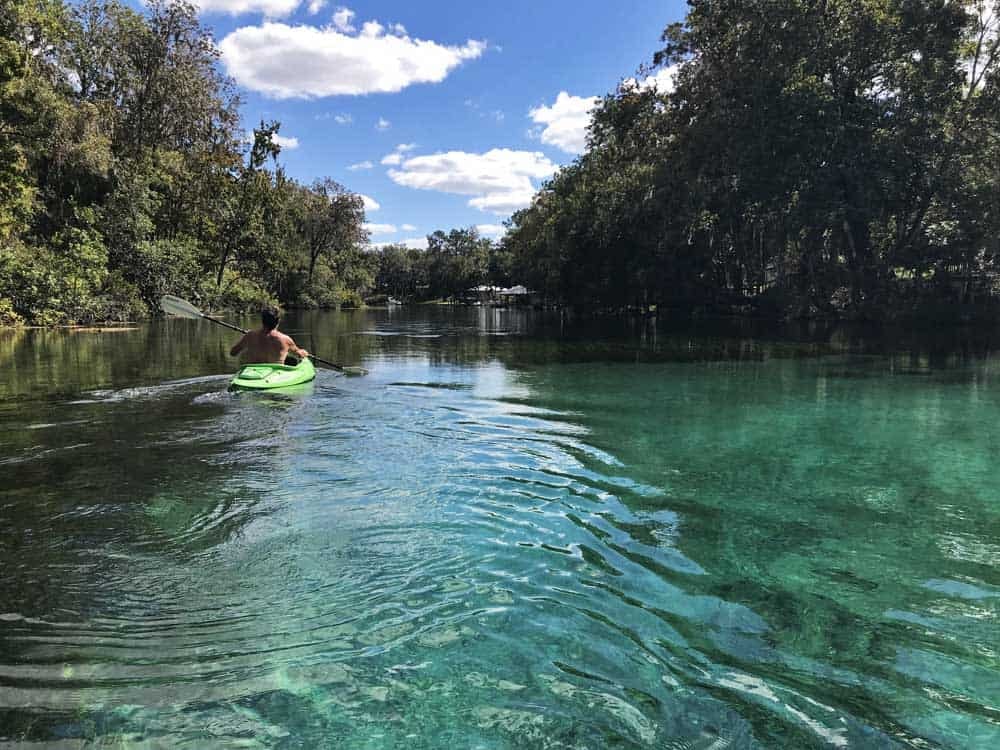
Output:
(513, 533)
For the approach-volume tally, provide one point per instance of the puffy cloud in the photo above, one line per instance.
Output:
(315, 6)
(662, 80)
(383, 124)
(396, 157)
(288, 143)
(361, 165)
(342, 20)
(500, 180)
(370, 203)
(283, 61)
(408, 228)
(491, 230)
(564, 124)
(380, 228)
(270, 8)
(502, 204)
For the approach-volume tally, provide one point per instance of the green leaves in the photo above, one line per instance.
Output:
(810, 151)
(124, 174)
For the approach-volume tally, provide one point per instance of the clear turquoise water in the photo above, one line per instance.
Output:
(510, 534)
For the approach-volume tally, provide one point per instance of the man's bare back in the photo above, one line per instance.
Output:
(267, 344)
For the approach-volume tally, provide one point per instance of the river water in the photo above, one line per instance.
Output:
(512, 533)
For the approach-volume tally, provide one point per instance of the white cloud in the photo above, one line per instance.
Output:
(342, 20)
(383, 124)
(396, 157)
(408, 228)
(565, 122)
(663, 80)
(270, 8)
(503, 204)
(370, 203)
(288, 143)
(380, 228)
(361, 165)
(491, 230)
(283, 61)
(500, 180)
(315, 6)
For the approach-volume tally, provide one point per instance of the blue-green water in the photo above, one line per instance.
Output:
(510, 534)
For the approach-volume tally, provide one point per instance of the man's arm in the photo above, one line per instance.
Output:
(293, 347)
(239, 346)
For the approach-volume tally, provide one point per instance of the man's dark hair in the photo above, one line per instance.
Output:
(270, 316)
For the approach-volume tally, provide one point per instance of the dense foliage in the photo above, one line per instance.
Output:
(814, 157)
(125, 173)
(453, 263)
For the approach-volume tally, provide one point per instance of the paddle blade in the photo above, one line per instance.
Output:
(180, 307)
(351, 371)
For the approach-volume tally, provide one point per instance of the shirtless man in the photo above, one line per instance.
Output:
(267, 344)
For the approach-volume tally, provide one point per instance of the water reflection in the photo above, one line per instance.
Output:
(508, 535)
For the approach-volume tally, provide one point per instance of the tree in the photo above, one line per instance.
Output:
(456, 261)
(332, 221)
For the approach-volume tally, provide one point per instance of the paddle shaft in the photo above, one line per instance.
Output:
(244, 331)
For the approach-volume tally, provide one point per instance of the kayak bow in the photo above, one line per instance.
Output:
(259, 377)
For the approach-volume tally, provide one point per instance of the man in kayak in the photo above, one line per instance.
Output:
(267, 345)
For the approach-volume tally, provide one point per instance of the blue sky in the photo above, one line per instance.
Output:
(471, 89)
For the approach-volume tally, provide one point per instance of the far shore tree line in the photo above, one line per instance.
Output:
(814, 158)
(811, 158)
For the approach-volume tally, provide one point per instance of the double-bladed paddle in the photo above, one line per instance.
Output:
(183, 309)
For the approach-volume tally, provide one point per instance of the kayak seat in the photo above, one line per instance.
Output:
(254, 373)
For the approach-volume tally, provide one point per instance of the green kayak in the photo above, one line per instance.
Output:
(259, 377)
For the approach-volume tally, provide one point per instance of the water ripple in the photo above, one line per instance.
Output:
(420, 562)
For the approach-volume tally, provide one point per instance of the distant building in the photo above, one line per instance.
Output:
(515, 295)
(483, 294)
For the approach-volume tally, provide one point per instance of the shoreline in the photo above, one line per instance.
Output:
(908, 322)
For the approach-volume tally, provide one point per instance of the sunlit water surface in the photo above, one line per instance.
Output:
(510, 534)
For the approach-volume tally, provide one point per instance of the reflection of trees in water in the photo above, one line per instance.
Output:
(517, 337)
(168, 474)
(48, 362)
